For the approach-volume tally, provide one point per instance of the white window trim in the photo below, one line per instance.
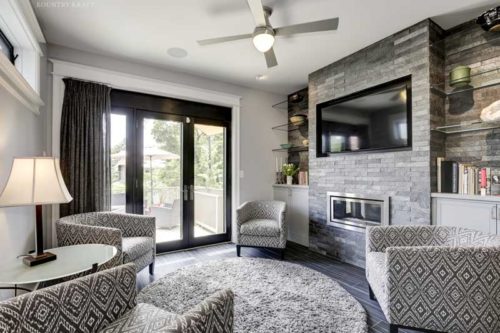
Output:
(125, 81)
(22, 81)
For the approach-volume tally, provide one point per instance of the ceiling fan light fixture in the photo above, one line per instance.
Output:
(263, 39)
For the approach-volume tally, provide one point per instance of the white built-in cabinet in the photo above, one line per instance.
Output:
(467, 211)
(297, 215)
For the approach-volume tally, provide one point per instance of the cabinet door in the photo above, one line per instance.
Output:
(476, 215)
(299, 217)
(280, 194)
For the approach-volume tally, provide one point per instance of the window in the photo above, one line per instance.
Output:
(7, 48)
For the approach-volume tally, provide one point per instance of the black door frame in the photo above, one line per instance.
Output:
(137, 107)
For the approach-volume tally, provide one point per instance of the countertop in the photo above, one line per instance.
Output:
(292, 186)
(490, 198)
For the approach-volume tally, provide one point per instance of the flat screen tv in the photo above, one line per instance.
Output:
(377, 118)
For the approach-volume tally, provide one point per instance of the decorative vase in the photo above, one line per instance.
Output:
(289, 180)
(460, 76)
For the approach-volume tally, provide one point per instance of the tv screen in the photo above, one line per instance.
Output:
(372, 119)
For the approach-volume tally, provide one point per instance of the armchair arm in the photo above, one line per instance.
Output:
(131, 225)
(73, 306)
(73, 234)
(430, 287)
(378, 239)
(218, 308)
(243, 214)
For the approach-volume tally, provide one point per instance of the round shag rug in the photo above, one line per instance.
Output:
(270, 296)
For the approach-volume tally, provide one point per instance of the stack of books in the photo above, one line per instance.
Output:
(462, 178)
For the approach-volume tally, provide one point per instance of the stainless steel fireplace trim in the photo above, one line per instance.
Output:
(356, 198)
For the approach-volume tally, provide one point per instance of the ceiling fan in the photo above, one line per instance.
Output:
(264, 34)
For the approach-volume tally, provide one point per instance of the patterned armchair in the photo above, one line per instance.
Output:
(437, 278)
(261, 224)
(106, 302)
(133, 236)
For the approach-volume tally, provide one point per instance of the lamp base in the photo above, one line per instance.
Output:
(39, 259)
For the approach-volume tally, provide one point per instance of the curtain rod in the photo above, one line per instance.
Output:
(89, 81)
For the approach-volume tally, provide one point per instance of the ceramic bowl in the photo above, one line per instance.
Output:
(286, 145)
(298, 120)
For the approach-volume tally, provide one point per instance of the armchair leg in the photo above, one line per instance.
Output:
(152, 268)
(393, 328)
(372, 295)
(238, 250)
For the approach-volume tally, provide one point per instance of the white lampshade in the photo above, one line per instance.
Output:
(34, 181)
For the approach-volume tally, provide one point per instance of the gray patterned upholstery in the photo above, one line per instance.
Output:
(133, 235)
(213, 315)
(86, 304)
(261, 223)
(106, 302)
(260, 227)
(435, 277)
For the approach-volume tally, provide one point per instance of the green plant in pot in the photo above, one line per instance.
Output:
(289, 170)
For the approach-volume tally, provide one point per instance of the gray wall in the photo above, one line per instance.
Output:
(21, 134)
(403, 175)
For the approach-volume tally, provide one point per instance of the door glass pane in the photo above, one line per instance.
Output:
(162, 178)
(118, 162)
(209, 180)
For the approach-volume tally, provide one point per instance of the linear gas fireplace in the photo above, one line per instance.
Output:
(356, 212)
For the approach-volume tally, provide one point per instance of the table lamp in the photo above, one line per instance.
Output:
(35, 181)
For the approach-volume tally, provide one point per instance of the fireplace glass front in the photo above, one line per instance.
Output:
(355, 212)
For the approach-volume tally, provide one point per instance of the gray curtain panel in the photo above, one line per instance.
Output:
(86, 146)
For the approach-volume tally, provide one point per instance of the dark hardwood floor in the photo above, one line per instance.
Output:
(350, 277)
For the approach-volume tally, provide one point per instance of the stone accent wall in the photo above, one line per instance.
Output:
(403, 175)
(469, 45)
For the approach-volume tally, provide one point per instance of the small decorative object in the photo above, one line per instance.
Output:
(289, 170)
(296, 98)
(286, 145)
(279, 178)
(491, 113)
(279, 174)
(490, 20)
(305, 142)
(460, 76)
(303, 178)
(298, 120)
(35, 181)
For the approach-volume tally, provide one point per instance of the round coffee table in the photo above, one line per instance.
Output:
(70, 260)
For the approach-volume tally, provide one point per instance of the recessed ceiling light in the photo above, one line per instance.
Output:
(177, 52)
(261, 77)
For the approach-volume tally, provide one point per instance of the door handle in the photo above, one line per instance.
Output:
(185, 192)
(494, 212)
(191, 192)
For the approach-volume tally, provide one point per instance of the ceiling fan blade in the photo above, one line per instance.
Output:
(323, 25)
(257, 10)
(218, 40)
(271, 60)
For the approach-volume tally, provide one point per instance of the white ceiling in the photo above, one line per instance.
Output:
(143, 30)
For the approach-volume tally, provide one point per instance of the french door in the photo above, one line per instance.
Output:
(176, 168)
